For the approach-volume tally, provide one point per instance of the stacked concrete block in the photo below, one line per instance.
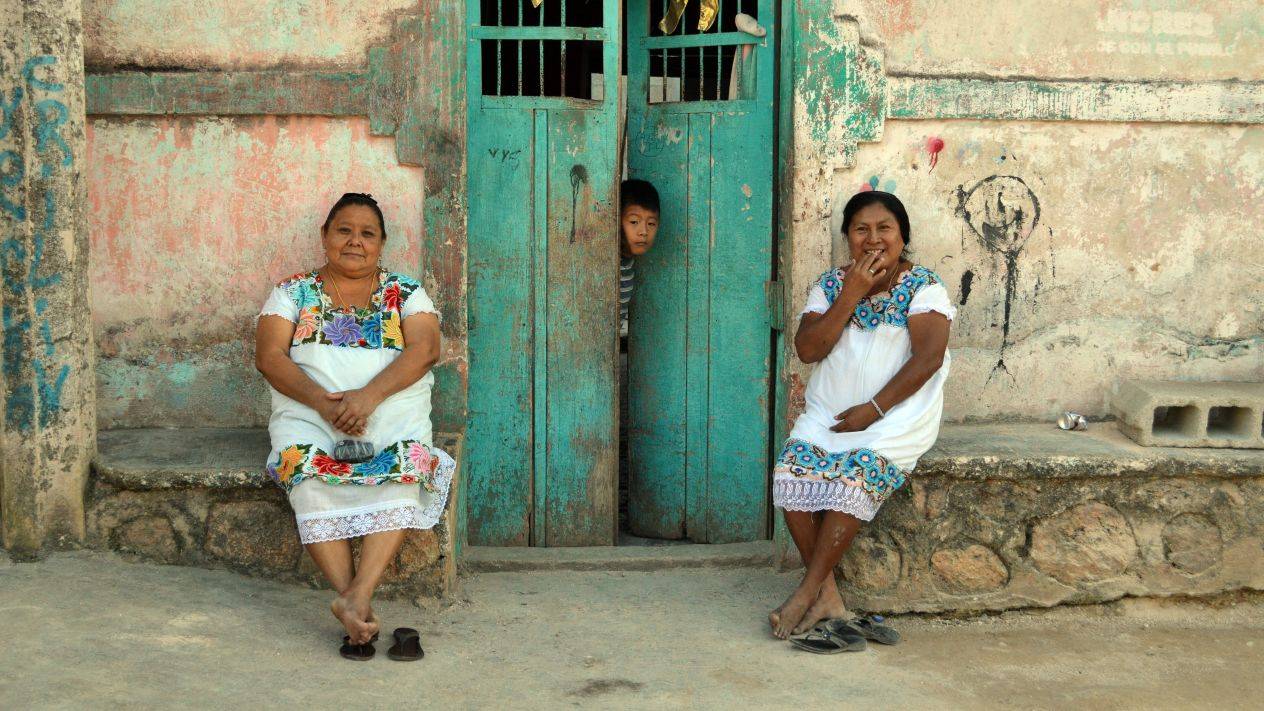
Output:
(1182, 414)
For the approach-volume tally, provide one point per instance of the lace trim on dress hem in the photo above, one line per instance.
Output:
(808, 495)
(332, 528)
(433, 511)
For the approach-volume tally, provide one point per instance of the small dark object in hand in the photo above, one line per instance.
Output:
(353, 451)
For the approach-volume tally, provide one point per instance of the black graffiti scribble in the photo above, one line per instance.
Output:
(579, 176)
(967, 282)
(1002, 212)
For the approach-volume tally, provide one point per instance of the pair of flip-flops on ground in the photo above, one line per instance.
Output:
(842, 635)
(407, 647)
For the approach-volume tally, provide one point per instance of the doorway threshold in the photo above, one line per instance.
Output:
(635, 555)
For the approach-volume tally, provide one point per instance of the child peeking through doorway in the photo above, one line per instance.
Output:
(638, 224)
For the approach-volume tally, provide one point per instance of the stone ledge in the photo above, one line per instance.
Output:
(151, 459)
(980, 452)
(209, 458)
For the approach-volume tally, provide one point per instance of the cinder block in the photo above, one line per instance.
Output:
(1158, 413)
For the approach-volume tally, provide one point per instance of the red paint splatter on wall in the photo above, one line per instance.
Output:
(934, 145)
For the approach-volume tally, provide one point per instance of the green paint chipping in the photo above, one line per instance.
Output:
(228, 93)
(837, 79)
(996, 99)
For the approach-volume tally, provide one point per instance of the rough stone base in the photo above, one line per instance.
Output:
(999, 517)
(200, 498)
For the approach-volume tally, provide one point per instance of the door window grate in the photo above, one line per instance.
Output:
(549, 51)
(700, 69)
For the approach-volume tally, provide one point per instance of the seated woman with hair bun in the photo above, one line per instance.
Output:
(348, 350)
(877, 332)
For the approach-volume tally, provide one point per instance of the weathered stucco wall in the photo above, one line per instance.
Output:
(191, 220)
(1135, 253)
(1148, 39)
(1123, 224)
(235, 34)
(46, 434)
(222, 122)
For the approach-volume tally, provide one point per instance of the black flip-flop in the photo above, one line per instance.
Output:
(357, 652)
(407, 647)
(870, 627)
(823, 639)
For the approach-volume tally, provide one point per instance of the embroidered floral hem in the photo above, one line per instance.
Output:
(405, 462)
(812, 495)
(863, 469)
(385, 516)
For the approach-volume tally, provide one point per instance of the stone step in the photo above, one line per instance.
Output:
(627, 557)
(1158, 413)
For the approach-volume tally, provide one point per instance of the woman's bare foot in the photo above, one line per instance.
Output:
(352, 619)
(359, 603)
(774, 617)
(792, 612)
(828, 605)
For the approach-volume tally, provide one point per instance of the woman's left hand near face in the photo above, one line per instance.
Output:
(354, 408)
(856, 418)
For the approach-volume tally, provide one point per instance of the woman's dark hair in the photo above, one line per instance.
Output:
(349, 199)
(640, 193)
(861, 200)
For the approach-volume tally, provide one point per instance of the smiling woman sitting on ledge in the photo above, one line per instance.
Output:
(876, 331)
(348, 350)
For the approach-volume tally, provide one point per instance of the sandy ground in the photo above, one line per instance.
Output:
(92, 631)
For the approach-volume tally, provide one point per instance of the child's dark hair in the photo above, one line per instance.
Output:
(640, 193)
(861, 200)
(349, 199)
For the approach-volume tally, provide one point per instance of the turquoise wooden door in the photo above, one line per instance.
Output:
(543, 430)
(700, 128)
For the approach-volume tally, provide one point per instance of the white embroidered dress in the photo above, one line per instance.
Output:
(855, 472)
(405, 484)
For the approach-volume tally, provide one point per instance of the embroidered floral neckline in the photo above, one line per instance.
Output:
(885, 293)
(889, 307)
(375, 299)
(378, 325)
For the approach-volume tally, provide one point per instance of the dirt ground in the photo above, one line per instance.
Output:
(88, 630)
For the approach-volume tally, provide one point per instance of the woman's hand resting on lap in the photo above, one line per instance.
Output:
(349, 411)
(855, 418)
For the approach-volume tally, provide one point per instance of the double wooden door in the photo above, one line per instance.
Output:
(544, 140)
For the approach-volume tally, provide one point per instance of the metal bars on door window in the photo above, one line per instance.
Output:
(690, 63)
(554, 50)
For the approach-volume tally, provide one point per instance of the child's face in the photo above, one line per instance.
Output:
(639, 226)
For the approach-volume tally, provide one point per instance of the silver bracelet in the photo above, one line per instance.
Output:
(874, 402)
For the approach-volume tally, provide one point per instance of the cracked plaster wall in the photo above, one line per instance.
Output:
(191, 220)
(235, 34)
(1149, 39)
(1141, 255)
